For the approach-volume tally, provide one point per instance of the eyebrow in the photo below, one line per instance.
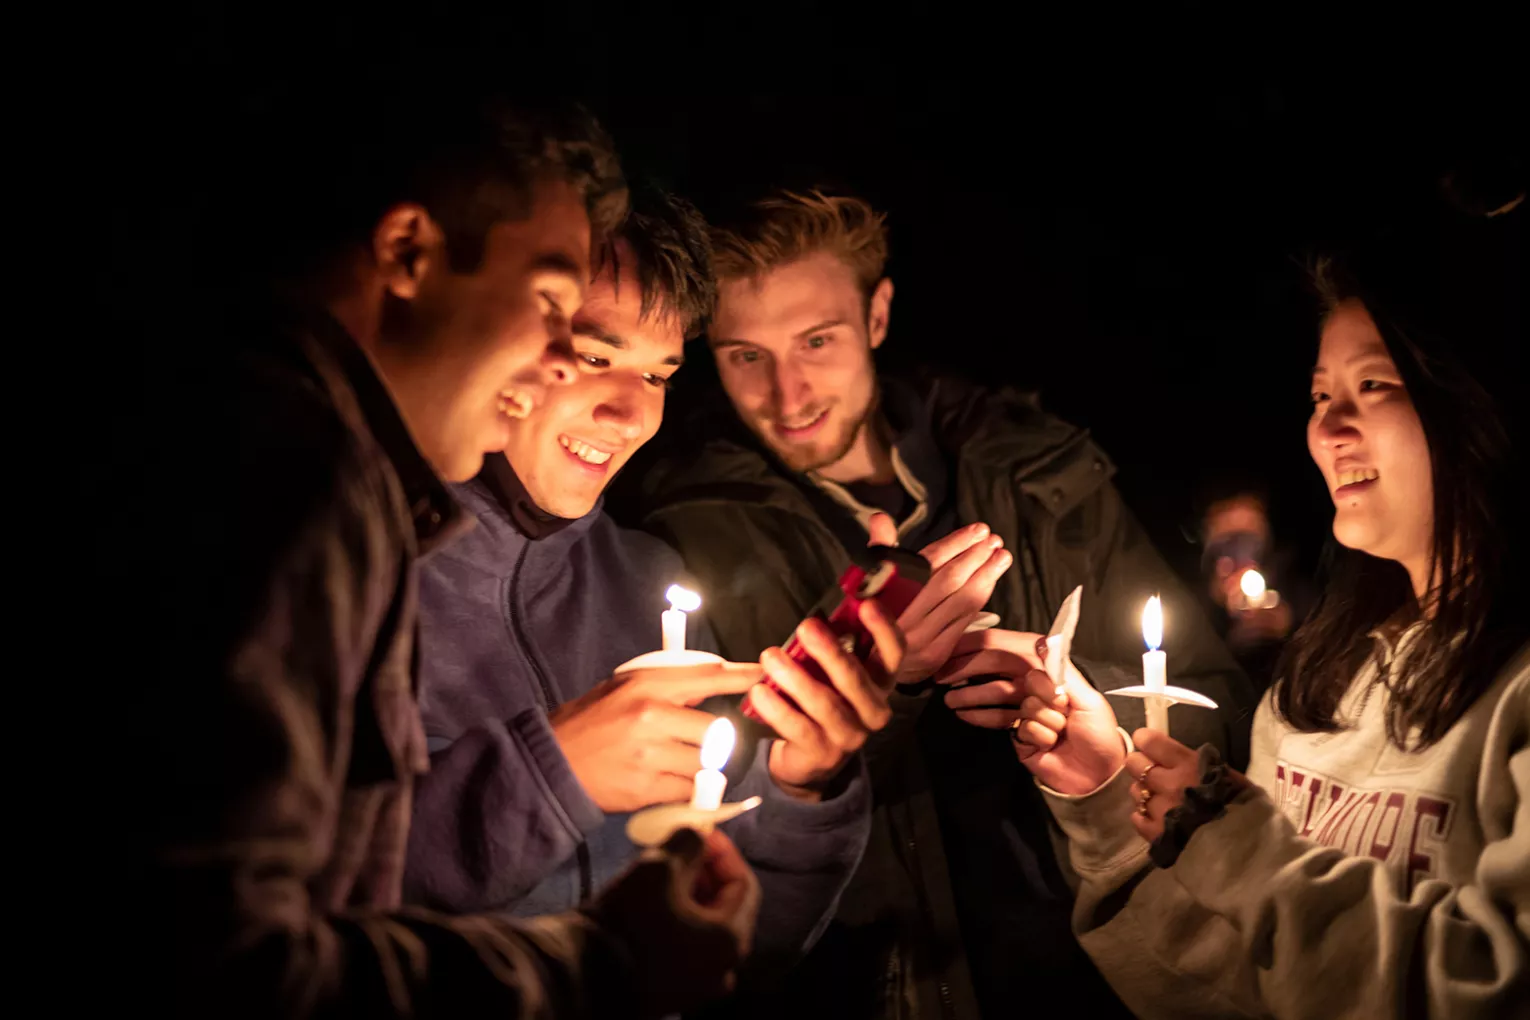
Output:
(826, 324)
(818, 328)
(558, 262)
(620, 343)
(1375, 354)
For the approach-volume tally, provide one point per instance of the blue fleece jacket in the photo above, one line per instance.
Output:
(510, 629)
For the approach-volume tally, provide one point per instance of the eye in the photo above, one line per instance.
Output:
(661, 382)
(818, 341)
(744, 356)
(595, 362)
(1373, 385)
(1318, 397)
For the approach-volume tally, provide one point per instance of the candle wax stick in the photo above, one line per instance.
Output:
(1155, 669)
(708, 793)
(673, 624)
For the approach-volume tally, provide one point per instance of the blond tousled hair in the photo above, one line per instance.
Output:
(789, 225)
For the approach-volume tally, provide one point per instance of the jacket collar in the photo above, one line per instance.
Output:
(501, 481)
(436, 515)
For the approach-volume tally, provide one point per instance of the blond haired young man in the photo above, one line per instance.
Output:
(960, 897)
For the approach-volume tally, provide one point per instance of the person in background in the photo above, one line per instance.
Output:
(1375, 860)
(538, 755)
(1251, 597)
(442, 253)
(806, 452)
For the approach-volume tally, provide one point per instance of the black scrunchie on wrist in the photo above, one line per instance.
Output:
(1201, 804)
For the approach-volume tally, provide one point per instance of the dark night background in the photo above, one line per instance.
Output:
(1111, 211)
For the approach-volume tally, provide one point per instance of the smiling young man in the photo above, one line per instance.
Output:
(278, 737)
(538, 756)
(960, 898)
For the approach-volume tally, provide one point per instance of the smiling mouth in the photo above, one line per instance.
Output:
(791, 431)
(1353, 479)
(517, 404)
(584, 451)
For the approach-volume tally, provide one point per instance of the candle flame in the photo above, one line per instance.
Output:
(717, 745)
(1252, 584)
(683, 599)
(1152, 623)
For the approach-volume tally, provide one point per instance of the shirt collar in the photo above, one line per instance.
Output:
(505, 485)
(914, 454)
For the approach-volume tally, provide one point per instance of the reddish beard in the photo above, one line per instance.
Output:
(819, 454)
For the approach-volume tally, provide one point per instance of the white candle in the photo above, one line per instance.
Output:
(1155, 665)
(716, 747)
(672, 621)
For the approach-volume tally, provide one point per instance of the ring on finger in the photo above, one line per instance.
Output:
(1016, 724)
(1143, 777)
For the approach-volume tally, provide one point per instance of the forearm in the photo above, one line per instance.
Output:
(1254, 920)
(499, 812)
(1165, 955)
(804, 855)
(1334, 932)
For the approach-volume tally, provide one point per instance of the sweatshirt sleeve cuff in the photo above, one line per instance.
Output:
(849, 796)
(790, 835)
(534, 733)
(1251, 838)
(1098, 824)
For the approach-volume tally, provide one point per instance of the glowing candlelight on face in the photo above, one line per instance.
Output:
(672, 622)
(1155, 664)
(716, 747)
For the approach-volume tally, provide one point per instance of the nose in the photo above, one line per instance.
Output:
(1336, 427)
(621, 414)
(792, 392)
(558, 366)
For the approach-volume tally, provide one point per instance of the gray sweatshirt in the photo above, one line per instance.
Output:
(1355, 880)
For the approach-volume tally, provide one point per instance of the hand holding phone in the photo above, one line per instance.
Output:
(826, 691)
(890, 575)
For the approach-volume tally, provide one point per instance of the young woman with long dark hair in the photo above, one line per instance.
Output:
(1376, 859)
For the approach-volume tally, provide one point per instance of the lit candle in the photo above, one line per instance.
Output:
(1155, 665)
(1256, 592)
(1252, 583)
(716, 746)
(672, 622)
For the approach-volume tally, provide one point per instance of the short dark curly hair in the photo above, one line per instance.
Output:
(470, 164)
(673, 254)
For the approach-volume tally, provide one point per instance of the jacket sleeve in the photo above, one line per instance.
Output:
(804, 855)
(499, 811)
(1121, 570)
(1255, 920)
(253, 728)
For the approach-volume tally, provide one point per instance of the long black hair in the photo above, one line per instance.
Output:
(1450, 319)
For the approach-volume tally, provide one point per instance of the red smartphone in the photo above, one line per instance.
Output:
(892, 576)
